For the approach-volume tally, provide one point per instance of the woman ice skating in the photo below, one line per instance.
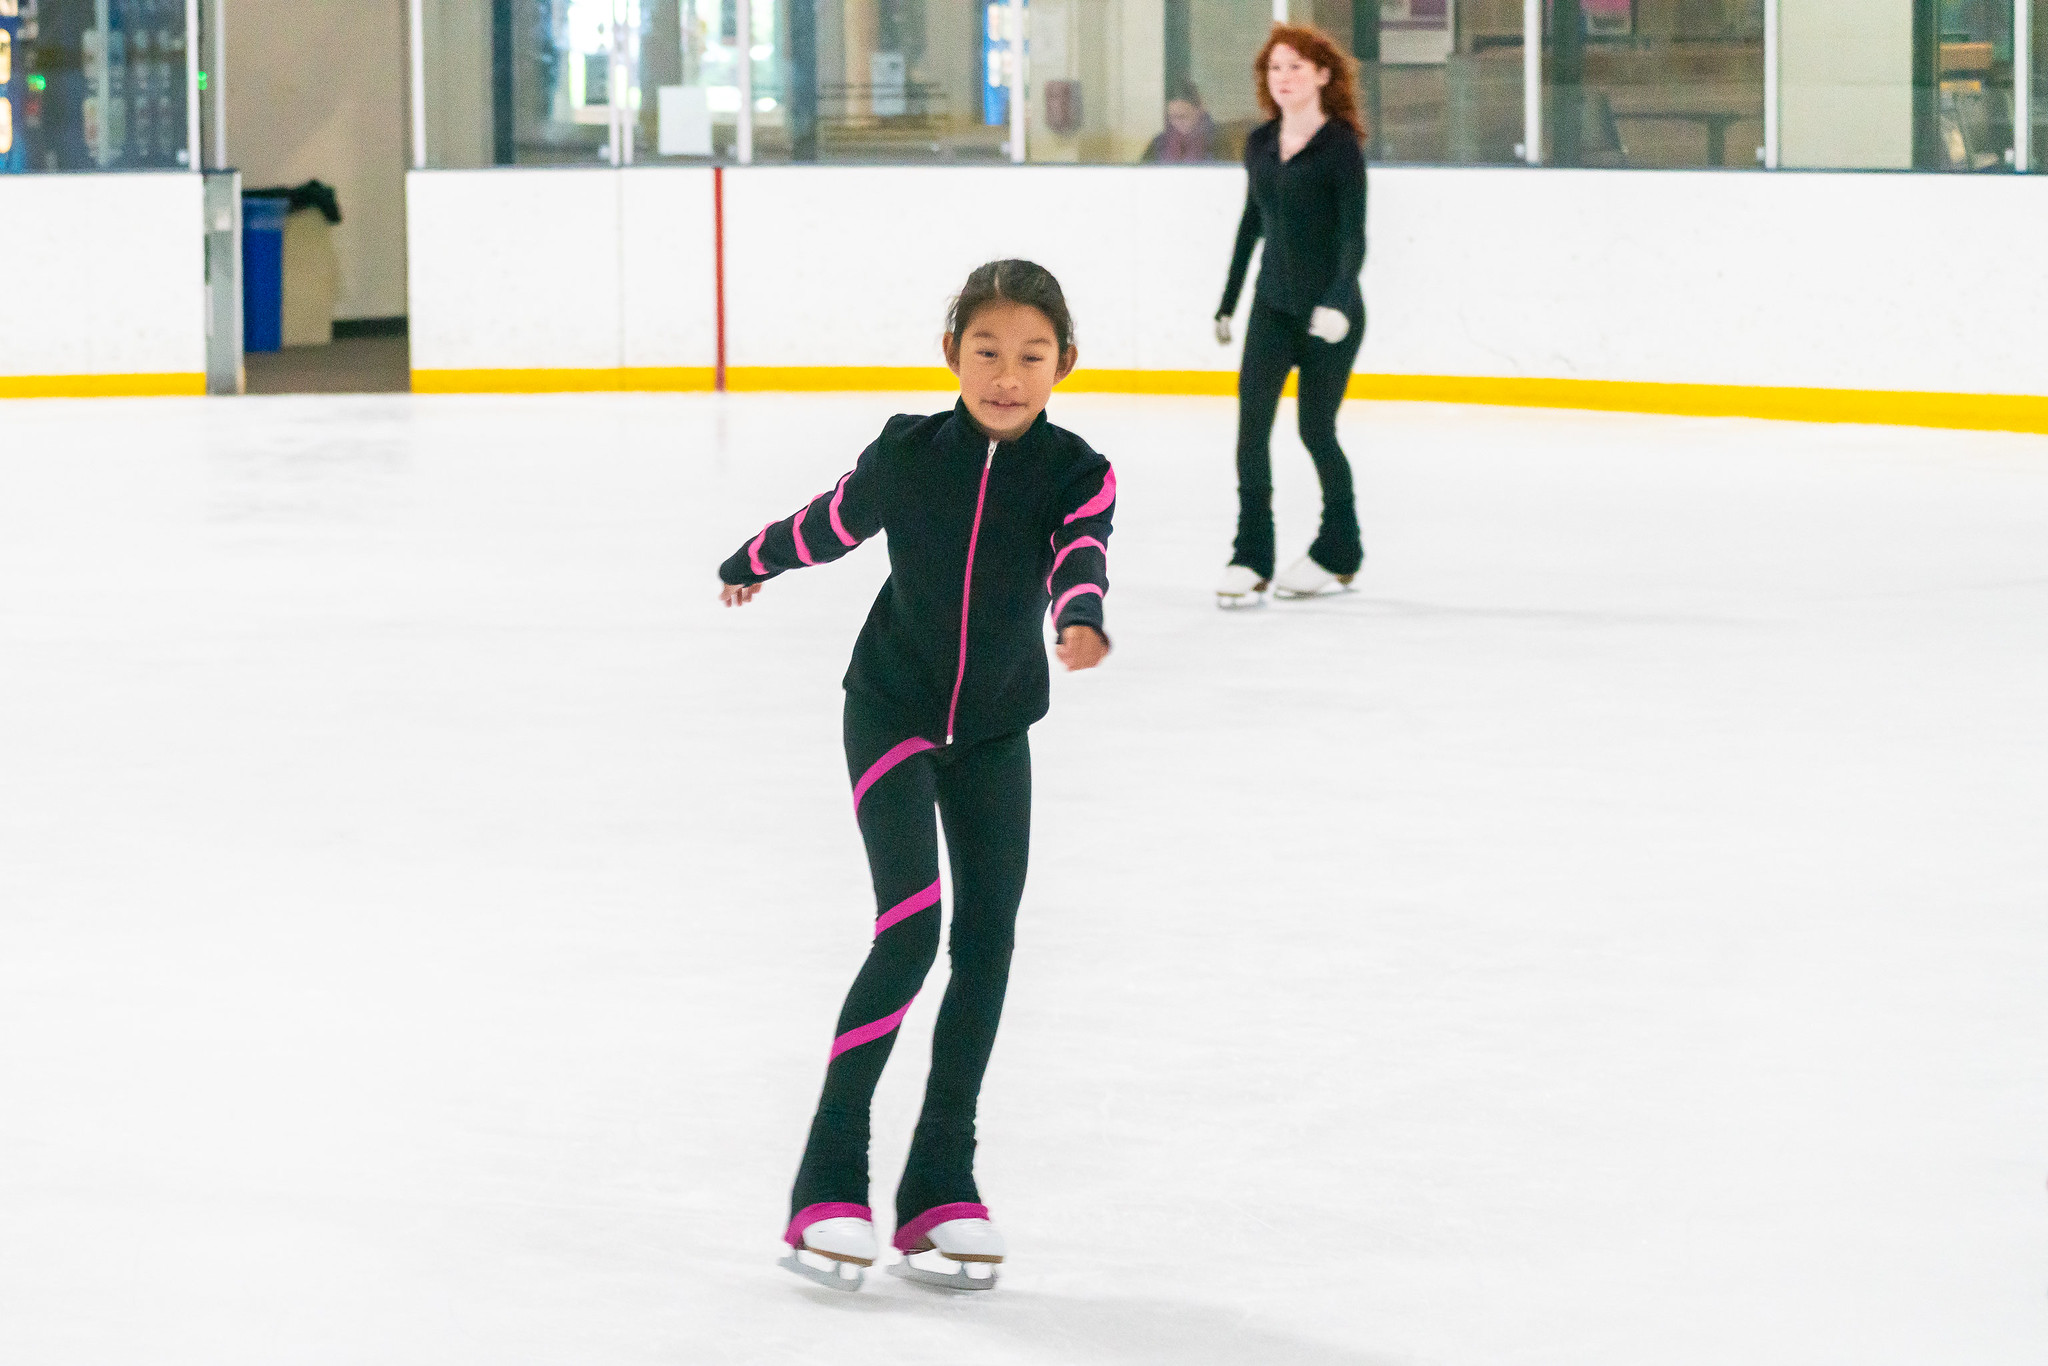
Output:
(993, 514)
(1305, 195)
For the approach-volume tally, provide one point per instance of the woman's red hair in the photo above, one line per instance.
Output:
(1317, 48)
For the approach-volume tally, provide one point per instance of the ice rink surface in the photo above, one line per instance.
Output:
(1615, 936)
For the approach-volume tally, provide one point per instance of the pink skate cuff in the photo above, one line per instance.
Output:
(811, 1214)
(912, 1233)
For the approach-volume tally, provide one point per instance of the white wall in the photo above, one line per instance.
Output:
(109, 271)
(1846, 75)
(318, 91)
(1824, 280)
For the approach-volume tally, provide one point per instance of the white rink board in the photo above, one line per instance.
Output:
(668, 279)
(1612, 937)
(103, 274)
(1789, 279)
(1913, 282)
(514, 271)
(855, 265)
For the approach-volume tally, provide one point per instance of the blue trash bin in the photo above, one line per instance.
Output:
(263, 272)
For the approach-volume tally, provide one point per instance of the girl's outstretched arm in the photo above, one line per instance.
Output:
(819, 532)
(1080, 564)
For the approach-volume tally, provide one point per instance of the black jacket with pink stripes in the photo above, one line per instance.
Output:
(983, 536)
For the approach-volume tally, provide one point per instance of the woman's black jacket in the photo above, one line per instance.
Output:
(1311, 211)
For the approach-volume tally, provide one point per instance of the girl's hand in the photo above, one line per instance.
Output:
(1223, 329)
(737, 594)
(1081, 647)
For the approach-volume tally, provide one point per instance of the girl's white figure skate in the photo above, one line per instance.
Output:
(971, 1243)
(1240, 587)
(833, 1252)
(1307, 579)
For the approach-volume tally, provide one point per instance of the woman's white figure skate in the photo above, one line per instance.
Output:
(1307, 579)
(971, 1244)
(1241, 587)
(834, 1252)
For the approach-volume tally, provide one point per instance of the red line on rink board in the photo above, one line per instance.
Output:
(718, 252)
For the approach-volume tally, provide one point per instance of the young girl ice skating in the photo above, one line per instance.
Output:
(992, 513)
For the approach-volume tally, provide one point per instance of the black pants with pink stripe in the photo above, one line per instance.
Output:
(983, 794)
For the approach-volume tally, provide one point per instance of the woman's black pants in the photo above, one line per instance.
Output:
(1274, 343)
(982, 792)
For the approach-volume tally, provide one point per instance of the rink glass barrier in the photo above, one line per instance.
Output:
(1931, 85)
(94, 85)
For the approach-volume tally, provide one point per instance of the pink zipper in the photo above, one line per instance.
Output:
(967, 588)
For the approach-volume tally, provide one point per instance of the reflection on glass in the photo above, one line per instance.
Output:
(685, 78)
(13, 147)
(1963, 85)
(1086, 104)
(92, 85)
(2038, 79)
(499, 86)
(1654, 83)
(1206, 71)
(528, 82)
(882, 80)
(1440, 80)
(1443, 80)
(1128, 80)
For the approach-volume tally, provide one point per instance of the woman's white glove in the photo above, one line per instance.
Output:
(1329, 325)
(1223, 329)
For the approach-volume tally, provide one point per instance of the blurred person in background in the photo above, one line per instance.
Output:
(1189, 135)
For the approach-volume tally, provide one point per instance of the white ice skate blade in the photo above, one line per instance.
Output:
(961, 1278)
(1307, 579)
(838, 1276)
(1241, 587)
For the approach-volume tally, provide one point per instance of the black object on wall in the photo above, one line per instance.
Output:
(803, 80)
(1365, 45)
(1928, 153)
(504, 143)
(1567, 84)
(1180, 57)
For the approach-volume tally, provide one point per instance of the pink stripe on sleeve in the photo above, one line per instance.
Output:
(846, 538)
(803, 552)
(914, 745)
(1071, 594)
(754, 552)
(1099, 502)
(868, 1033)
(908, 907)
(1060, 558)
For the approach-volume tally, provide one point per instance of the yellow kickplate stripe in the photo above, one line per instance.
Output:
(839, 378)
(1210, 382)
(608, 379)
(1973, 412)
(175, 384)
(1886, 407)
